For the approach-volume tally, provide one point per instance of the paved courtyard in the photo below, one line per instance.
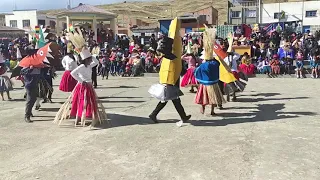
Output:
(272, 132)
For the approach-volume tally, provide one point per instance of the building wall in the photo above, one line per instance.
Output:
(19, 16)
(248, 13)
(210, 13)
(294, 11)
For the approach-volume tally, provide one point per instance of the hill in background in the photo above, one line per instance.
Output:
(152, 11)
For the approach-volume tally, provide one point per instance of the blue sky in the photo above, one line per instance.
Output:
(9, 5)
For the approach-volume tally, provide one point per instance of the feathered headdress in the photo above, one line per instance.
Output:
(209, 38)
(79, 43)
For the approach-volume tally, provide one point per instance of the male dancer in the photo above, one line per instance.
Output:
(31, 79)
(171, 67)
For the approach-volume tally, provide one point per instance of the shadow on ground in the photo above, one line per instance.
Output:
(264, 112)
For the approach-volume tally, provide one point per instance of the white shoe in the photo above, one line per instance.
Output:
(179, 124)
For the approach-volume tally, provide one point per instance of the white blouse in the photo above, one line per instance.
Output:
(68, 63)
(83, 73)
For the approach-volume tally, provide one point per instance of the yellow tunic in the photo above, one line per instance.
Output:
(171, 69)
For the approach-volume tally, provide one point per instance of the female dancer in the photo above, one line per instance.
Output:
(83, 100)
(207, 74)
(189, 79)
(68, 83)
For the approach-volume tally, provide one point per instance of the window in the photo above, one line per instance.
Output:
(251, 13)
(26, 23)
(41, 22)
(235, 14)
(52, 24)
(13, 23)
(311, 13)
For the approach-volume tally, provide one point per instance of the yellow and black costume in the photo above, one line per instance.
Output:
(170, 70)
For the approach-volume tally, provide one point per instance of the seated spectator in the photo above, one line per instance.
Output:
(287, 64)
(275, 65)
(246, 65)
(266, 68)
(260, 65)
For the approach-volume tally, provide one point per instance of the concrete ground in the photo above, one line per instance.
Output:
(272, 132)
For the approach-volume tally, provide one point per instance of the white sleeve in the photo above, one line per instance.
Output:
(236, 56)
(76, 71)
(94, 62)
(63, 62)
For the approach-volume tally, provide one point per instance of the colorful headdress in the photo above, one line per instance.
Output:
(209, 38)
(79, 43)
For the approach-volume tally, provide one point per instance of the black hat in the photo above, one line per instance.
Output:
(165, 47)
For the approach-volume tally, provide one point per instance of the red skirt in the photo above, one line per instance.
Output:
(248, 70)
(84, 101)
(189, 79)
(67, 82)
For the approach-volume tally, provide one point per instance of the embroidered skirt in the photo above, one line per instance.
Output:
(209, 95)
(5, 84)
(189, 79)
(67, 82)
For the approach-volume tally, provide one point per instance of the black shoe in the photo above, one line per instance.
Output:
(153, 118)
(186, 119)
(28, 120)
(220, 107)
(38, 107)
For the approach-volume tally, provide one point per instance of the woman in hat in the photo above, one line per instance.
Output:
(5, 83)
(84, 99)
(207, 74)
(188, 79)
(69, 63)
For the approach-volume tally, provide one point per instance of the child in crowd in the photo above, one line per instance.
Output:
(266, 66)
(299, 64)
(314, 63)
(275, 65)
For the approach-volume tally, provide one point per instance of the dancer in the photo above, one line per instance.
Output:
(5, 82)
(189, 79)
(83, 100)
(69, 63)
(207, 74)
(95, 52)
(170, 70)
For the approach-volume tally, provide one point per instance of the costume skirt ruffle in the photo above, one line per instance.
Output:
(189, 79)
(67, 82)
(84, 105)
(238, 85)
(5, 84)
(209, 95)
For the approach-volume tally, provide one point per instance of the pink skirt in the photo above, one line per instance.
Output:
(248, 70)
(67, 82)
(189, 79)
(84, 101)
(209, 95)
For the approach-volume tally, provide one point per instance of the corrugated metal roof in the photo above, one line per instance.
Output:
(85, 8)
